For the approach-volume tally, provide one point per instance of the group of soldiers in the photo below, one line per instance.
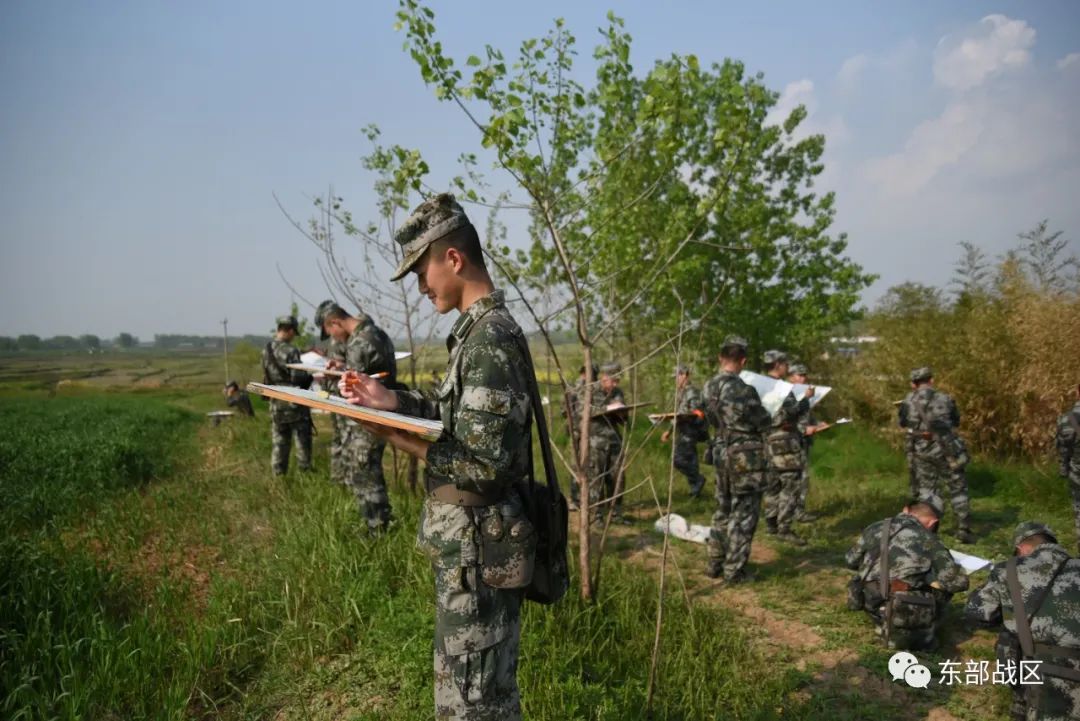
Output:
(761, 463)
(475, 530)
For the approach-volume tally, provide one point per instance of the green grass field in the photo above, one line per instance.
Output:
(152, 568)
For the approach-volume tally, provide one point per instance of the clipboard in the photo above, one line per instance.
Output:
(427, 429)
(618, 410)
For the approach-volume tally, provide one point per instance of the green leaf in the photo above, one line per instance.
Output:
(473, 61)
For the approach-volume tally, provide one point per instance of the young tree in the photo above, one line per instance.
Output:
(1041, 256)
(639, 185)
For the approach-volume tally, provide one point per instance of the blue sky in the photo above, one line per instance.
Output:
(141, 142)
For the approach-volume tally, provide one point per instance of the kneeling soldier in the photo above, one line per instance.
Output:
(1036, 597)
(906, 576)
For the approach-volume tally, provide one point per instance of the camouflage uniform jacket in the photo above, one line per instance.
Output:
(1056, 623)
(275, 355)
(606, 429)
(241, 402)
(932, 417)
(785, 437)
(734, 409)
(484, 405)
(334, 351)
(916, 556)
(369, 350)
(1067, 442)
(689, 400)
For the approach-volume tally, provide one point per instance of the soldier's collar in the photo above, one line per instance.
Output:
(476, 311)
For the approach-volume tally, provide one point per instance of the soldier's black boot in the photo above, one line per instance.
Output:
(770, 526)
(789, 536)
(714, 569)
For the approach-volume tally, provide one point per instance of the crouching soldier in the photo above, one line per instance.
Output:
(1035, 597)
(906, 577)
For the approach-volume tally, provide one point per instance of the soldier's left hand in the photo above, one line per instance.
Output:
(810, 390)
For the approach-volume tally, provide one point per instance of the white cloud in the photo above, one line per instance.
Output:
(799, 92)
(994, 45)
(1069, 61)
(932, 146)
(850, 71)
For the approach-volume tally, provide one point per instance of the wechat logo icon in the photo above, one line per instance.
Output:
(904, 666)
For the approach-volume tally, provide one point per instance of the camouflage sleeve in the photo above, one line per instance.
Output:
(289, 354)
(954, 413)
(984, 604)
(857, 553)
(1066, 443)
(902, 414)
(491, 419)
(364, 355)
(945, 570)
(417, 403)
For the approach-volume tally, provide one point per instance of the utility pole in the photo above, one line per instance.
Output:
(225, 327)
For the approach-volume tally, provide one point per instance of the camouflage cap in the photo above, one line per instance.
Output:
(326, 307)
(431, 220)
(1027, 529)
(735, 340)
(934, 501)
(774, 356)
(289, 320)
(798, 369)
(611, 369)
(922, 374)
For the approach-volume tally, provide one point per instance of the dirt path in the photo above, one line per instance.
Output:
(836, 671)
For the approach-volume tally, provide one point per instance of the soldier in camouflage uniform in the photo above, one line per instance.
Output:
(688, 432)
(799, 374)
(786, 454)
(473, 526)
(238, 399)
(368, 350)
(1068, 445)
(605, 440)
(335, 360)
(922, 576)
(738, 451)
(288, 421)
(936, 453)
(1048, 583)
(573, 402)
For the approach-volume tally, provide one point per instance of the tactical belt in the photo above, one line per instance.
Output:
(449, 493)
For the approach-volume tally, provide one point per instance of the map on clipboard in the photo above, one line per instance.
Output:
(427, 429)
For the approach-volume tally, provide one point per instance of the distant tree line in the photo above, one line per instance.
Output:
(91, 343)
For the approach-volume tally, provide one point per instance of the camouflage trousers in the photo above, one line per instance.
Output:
(782, 498)
(733, 526)
(364, 475)
(338, 454)
(802, 490)
(605, 464)
(477, 637)
(282, 435)
(686, 463)
(931, 474)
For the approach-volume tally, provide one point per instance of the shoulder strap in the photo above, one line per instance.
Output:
(540, 419)
(1023, 630)
(883, 559)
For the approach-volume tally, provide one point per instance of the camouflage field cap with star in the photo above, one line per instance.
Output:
(433, 219)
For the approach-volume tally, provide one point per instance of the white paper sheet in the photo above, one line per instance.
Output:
(970, 563)
(681, 528)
